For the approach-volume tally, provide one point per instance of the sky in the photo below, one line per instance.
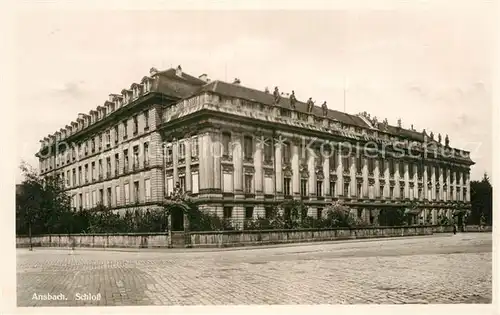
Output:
(428, 67)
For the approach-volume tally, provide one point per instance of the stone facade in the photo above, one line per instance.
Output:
(237, 151)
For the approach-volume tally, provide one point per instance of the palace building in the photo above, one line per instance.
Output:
(238, 151)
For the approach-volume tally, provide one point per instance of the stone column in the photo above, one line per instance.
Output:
(295, 169)
(257, 157)
(433, 180)
(187, 145)
(326, 180)
(454, 184)
(467, 185)
(425, 189)
(364, 171)
(340, 175)
(311, 167)
(354, 180)
(238, 163)
(408, 192)
(279, 167)
(216, 152)
(378, 174)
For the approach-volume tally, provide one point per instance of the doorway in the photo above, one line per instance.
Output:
(177, 217)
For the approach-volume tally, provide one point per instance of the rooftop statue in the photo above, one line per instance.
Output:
(399, 122)
(310, 105)
(375, 121)
(277, 96)
(293, 100)
(266, 90)
(446, 141)
(432, 135)
(325, 109)
(439, 137)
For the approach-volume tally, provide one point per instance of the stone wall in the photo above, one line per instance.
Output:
(232, 238)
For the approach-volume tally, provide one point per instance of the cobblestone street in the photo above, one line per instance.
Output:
(436, 269)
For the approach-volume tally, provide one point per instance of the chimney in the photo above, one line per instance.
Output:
(236, 81)
(178, 71)
(204, 77)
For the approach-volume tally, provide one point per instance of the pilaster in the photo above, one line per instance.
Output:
(188, 177)
(279, 168)
(311, 167)
(295, 169)
(216, 152)
(257, 157)
(238, 162)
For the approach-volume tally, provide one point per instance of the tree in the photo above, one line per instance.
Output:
(481, 201)
(339, 215)
(42, 206)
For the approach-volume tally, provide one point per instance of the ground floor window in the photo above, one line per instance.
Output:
(228, 212)
(248, 212)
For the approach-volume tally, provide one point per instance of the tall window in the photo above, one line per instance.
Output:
(248, 147)
(420, 171)
(146, 120)
(333, 161)
(332, 188)
(182, 150)
(360, 189)
(401, 192)
(370, 166)
(93, 171)
(136, 157)
(438, 172)
(68, 181)
(303, 187)
(86, 173)
(401, 167)
(136, 191)
(92, 145)
(100, 141)
(136, 124)
(101, 196)
(319, 188)
(108, 167)
(125, 131)
(411, 170)
(381, 167)
(445, 175)
(391, 192)
(391, 167)
(108, 196)
(319, 157)
(169, 156)
(346, 189)
(226, 141)
(268, 150)
(195, 147)
(381, 191)
(346, 164)
(125, 160)
(287, 153)
(100, 169)
(146, 154)
(79, 175)
(248, 183)
(287, 183)
(359, 164)
(182, 183)
(117, 163)
(429, 172)
(116, 134)
(74, 177)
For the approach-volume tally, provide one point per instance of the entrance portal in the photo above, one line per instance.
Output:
(177, 217)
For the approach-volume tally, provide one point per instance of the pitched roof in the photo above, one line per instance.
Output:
(239, 91)
(171, 73)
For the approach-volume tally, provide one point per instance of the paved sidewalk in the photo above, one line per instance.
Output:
(437, 269)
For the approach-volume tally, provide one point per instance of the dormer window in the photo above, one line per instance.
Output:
(147, 86)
